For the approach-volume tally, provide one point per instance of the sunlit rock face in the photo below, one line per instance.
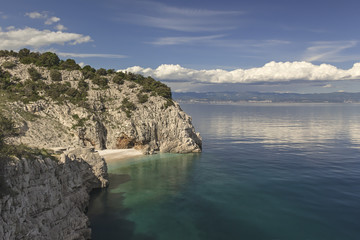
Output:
(48, 198)
(154, 125)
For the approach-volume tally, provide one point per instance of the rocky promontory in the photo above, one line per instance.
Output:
(56, 104)
(101, 109)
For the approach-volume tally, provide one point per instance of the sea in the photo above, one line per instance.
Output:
(267, 171)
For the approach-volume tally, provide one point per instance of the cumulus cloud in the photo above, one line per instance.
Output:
(35, 15)
(60, 27)
(270, 72)
(49, 20)
(52, 20)
(31, 37)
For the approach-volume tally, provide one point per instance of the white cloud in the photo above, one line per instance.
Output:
(52, 20)
(60, 27)
(270, 72)
(89, 55)
(31, 37)
(35, 15)
(49, 20)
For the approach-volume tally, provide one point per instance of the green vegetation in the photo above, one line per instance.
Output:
(80, 121)
(7, 151)
(88, 72)
(133, 85)
(35, 89)
(101, 72)
(34, 74)
(169, 102)
(48, 59)
(55, 75)
(127, 106)
(142, 98)
(9, 65)
(69, 64)
(102, 82)
(118, 79)
(150, 85)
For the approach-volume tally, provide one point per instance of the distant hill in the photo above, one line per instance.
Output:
(233, 97)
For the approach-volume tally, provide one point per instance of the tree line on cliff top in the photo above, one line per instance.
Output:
(59, 90)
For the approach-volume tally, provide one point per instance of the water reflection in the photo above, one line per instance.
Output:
(293, 125)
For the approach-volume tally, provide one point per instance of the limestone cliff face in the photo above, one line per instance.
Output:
(151, 126)
(47, 199)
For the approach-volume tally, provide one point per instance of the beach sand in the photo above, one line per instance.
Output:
(112, 155)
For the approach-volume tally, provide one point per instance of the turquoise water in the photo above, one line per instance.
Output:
(267, 171)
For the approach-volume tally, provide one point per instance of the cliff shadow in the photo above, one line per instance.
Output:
(107, 214)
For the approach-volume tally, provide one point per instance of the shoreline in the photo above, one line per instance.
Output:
(114, 155)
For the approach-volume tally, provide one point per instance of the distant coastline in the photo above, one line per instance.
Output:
(260, 97)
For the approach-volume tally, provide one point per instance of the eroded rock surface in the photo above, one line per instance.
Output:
(154, 125)
(48, 198)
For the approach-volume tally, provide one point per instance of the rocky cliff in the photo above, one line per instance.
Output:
(57, 104)
(116, 114)
(48, 198)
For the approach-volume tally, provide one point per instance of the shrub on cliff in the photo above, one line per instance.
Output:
(7, 129)
(118, 79)
(142, 98)
(34, 74)
(88, 72)
(69, 64)
(55, 75)
(48, 59)
(8, 65)
(127, 106)
(101, 72)
(5, 79)
(100, 81)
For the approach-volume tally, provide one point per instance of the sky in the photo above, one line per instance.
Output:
(249, 45)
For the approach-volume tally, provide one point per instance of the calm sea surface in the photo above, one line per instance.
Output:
(267, 171)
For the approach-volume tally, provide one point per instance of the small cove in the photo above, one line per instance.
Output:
(267, 172)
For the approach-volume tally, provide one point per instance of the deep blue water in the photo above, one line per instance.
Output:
(267, 171)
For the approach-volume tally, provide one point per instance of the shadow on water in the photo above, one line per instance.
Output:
(132, 206)
(108, 215)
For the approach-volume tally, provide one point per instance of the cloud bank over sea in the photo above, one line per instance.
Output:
(270, 72)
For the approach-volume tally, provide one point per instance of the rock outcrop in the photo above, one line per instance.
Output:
(48, 198)
(153, 125)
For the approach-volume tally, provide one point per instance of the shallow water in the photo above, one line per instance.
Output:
(267, 171)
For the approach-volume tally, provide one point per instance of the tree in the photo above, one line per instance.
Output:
(88, 72)
(101, 72)
(7, 129)
(24, 52)
(34, 74)
(48, 59)
(55, 75)
(69, 64)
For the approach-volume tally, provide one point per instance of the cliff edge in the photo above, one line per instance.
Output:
(47, 198)
(56, 107)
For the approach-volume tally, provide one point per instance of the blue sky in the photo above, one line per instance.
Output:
(278, 45)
